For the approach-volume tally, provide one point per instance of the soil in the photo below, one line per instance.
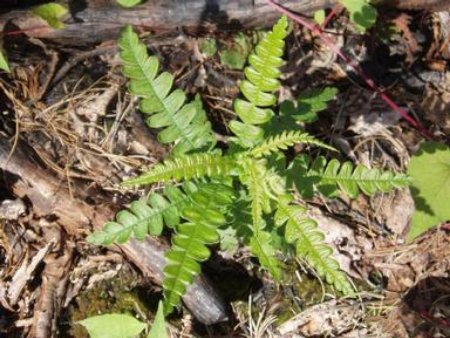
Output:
(70, 133)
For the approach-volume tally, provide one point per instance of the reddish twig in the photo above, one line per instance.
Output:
(336, 9)
(350, 63)
(21, 31)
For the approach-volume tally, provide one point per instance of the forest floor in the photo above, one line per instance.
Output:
(85, 132)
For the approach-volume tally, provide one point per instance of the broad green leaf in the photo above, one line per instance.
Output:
(319, 16)
(430, 170)
(362, 13)
(52, 13)
(128, 3)
(4, 62)
(159, 329)
(113, 325)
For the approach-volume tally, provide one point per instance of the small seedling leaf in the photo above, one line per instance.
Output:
(4, 62)
(362, 13)
(159, 329)
(128, 3)
(113, 326)
(52, 13)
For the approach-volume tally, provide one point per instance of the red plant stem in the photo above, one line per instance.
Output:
(24, 30)
(336, 9)
(353, 66)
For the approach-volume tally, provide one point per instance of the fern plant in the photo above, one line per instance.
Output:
(250, 189)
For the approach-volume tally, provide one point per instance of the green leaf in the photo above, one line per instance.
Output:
(159, 329)
(129, 3)
(430, 170)
(189, 248)
(312, 102)
(185, 125)
(309, 243)
(319, 16)
(208, 47)
(4, 62)
(261, 247)
(235, 56)
(52, 13)
(330, 177)
(261, 79)
(362, 13)
(145, 218)
(284, 140)
(113, 326)
(186, 168)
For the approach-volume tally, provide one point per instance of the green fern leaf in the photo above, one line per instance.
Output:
(261, 80)
(186, 168)
(146, 218)
(332, 176)
(309, 243)
(261, 247)
(189, 243)
(185, 125)
(263, 185)
(284, 140)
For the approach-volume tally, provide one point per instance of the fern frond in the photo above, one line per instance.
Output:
(261, 247)
(309, 243)
(284, 140)
(262, 186)
(146, 218)
(184, 124)
(331, 176)
(186, 168)
(189, 243)
(261, 80)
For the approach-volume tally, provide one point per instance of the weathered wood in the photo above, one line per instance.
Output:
(26, 178)
(101, 20)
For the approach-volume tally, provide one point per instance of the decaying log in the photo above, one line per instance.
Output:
(100, 20)
(49, 195)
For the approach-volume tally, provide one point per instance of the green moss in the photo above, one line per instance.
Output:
(119, 295)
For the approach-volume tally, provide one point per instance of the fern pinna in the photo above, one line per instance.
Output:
(184, 124)
(248, 189)
(261, 80)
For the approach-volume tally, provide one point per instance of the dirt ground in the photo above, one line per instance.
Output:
(70, 134)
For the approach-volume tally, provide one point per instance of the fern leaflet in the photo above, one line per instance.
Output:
(186, 168)
(260, 244)
(190, 240)
(260, 190)
(329, 177)
(284, 140)
(261, 80)
(184, 124)
(309, 243)
(146, 218)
